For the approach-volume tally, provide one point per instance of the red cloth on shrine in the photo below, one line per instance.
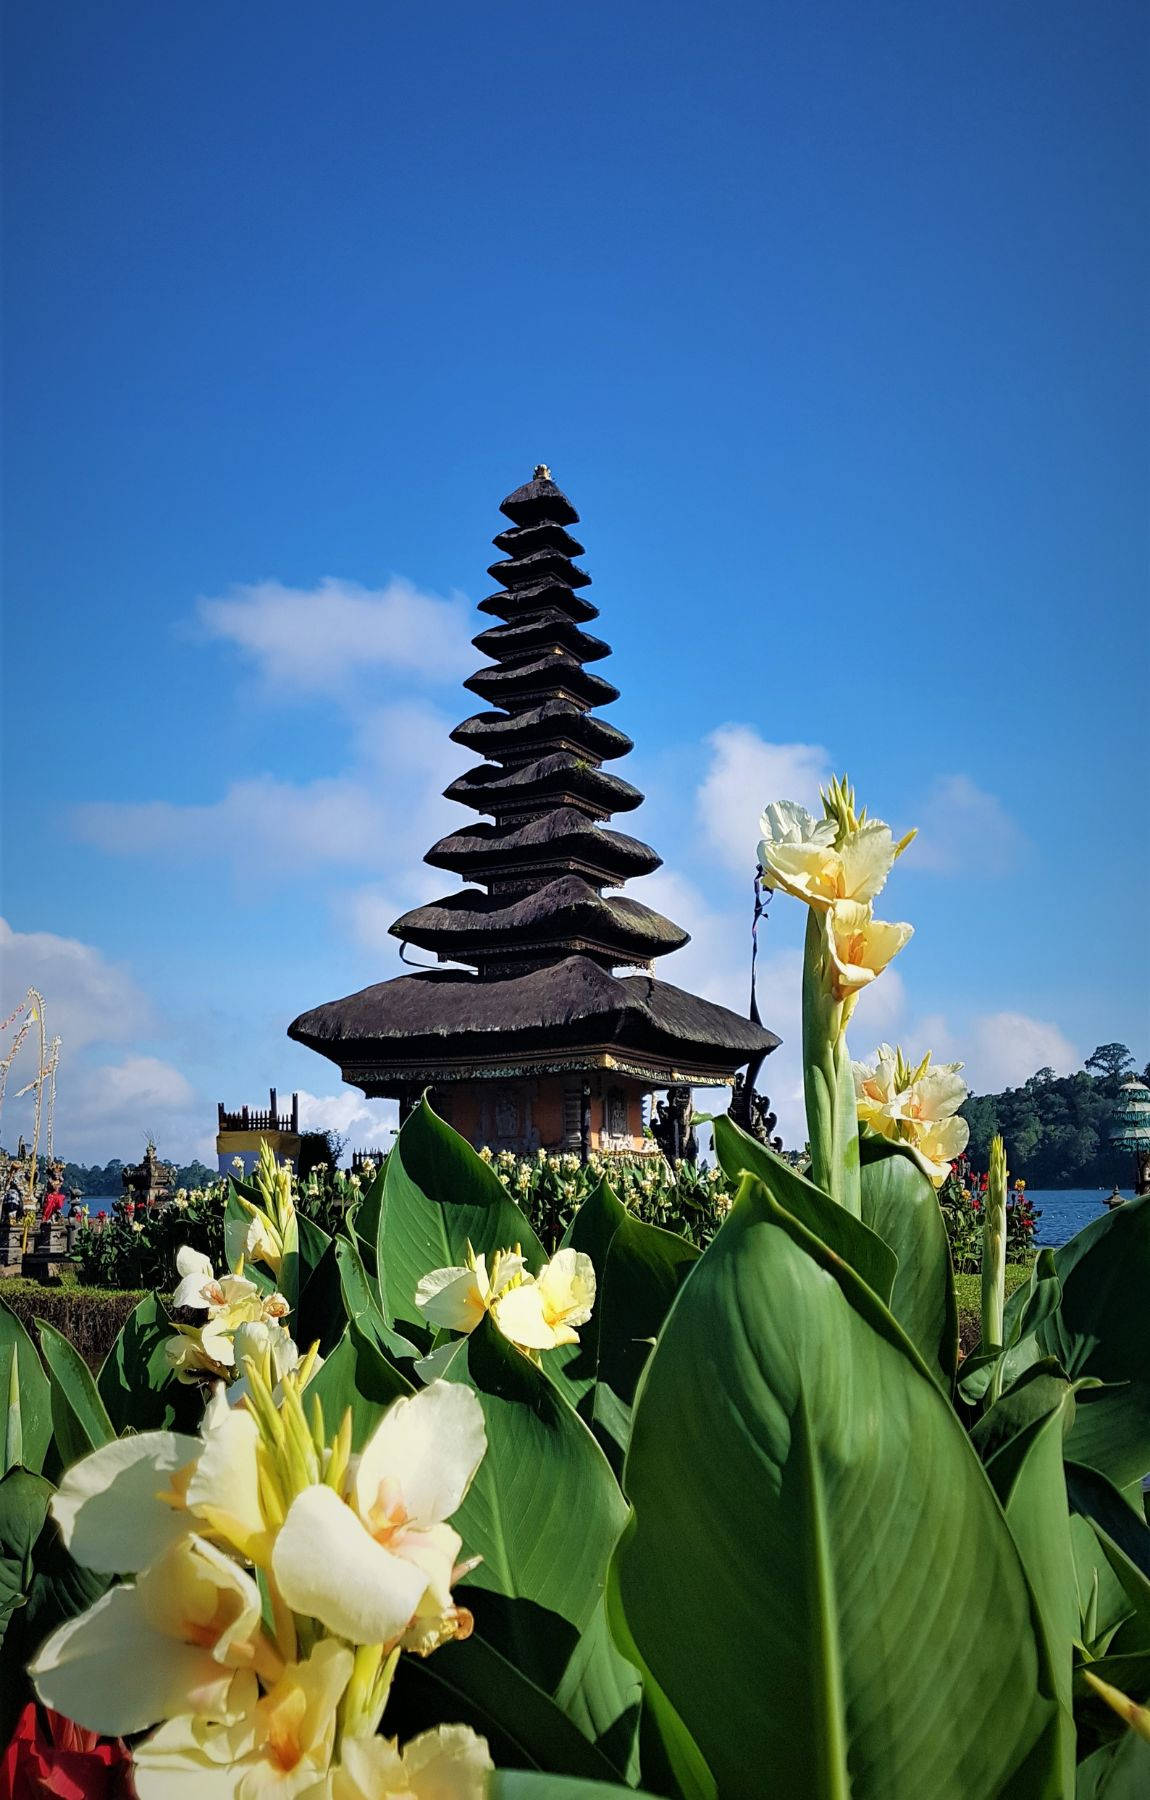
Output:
(54, 1203)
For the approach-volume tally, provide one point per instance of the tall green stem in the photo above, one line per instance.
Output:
(832, 1115)
(994, 1258)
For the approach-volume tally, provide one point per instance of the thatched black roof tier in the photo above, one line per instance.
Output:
(539, 567)
(549, 631)
(447, 1025)
(542, 596)
(539, 501)
(561, 838)
(544, 939)
(525, 540)
(557, 725)
(531, 683)
(566, 917)
(558, 780)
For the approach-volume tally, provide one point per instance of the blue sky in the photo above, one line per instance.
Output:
(830, 320)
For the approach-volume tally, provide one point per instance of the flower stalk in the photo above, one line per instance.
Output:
(994, 1258)
(828, 1080)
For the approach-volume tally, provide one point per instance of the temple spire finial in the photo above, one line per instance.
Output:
(542, 472)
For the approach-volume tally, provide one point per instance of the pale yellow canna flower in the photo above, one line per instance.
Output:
(231, 1303)
(171, 1642)
(824, 860)
(541, 1314)
(378, 1564)
(859, 946)
(126, 1503)
(456, 1298)
(448, 1763)
(915, 1105)
(279, 1750)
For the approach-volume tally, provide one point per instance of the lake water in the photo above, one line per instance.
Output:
(1066, 1210)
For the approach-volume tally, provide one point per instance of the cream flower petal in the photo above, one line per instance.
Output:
(369, 1769)
(330, 1568)
(938, 1093)
(112, 1673)
(521, 1315)
(809, 872)
(860, 946)
(448, 1763)
(198, 1594)
(193, 1262)
(107, 1505)
(434, 1549)
(427, 1448)
(867, 857)
(451, 1299)
(567, 1284)
(191, 1759)
(224, 1490)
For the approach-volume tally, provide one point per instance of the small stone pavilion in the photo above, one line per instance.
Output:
(555, 1032)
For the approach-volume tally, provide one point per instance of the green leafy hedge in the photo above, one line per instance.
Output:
(90, 1318)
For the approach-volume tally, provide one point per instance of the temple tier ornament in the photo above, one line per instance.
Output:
(555, 1032)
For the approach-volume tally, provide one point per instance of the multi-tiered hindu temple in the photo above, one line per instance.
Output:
(555, 1032)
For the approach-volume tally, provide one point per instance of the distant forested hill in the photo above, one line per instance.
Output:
(1055, 1126)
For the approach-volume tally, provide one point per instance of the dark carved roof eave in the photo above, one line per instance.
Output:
(571, 1004)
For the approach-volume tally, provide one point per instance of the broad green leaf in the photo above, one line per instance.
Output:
(321, 1315)
(1123, 1539)
(1119, 1771)
(544, 1512)
(364, 1217)
(19, 1357)
(1099, 1329)
(314, 1241)
(24, 1501)
(847, 1236)
(1026, 1472)
(80, 1419)
(527, 1784)
(590, 1231)
(470, 1682)
(1035, 1394)
(438, 1196)
(361, 1306)
(646, 1267)
(136, 1383)
(355, 1375)
(900, 1204)
(802, 1484)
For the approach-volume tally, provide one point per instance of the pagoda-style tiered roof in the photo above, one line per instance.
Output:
(545, 942)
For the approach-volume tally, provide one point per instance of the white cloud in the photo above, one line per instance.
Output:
(967, 831)
(87, 999)
(1007, 1048)
(319, 640)
(363, 1124)
(745, 773)
(382, 813)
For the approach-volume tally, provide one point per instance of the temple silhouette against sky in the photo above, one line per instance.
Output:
(538, 1040)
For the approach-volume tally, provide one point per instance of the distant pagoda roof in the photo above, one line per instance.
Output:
(544, 943)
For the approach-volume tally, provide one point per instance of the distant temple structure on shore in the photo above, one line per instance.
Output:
(242, 1131)
(539, 1041)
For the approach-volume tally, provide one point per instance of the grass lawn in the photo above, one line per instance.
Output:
(968, 1293)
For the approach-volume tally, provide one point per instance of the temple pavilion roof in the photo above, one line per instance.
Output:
(543, 939)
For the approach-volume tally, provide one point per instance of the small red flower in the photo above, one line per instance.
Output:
(49, 1758)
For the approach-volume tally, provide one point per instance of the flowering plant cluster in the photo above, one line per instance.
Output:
(689, 1199)
(617, 1514)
